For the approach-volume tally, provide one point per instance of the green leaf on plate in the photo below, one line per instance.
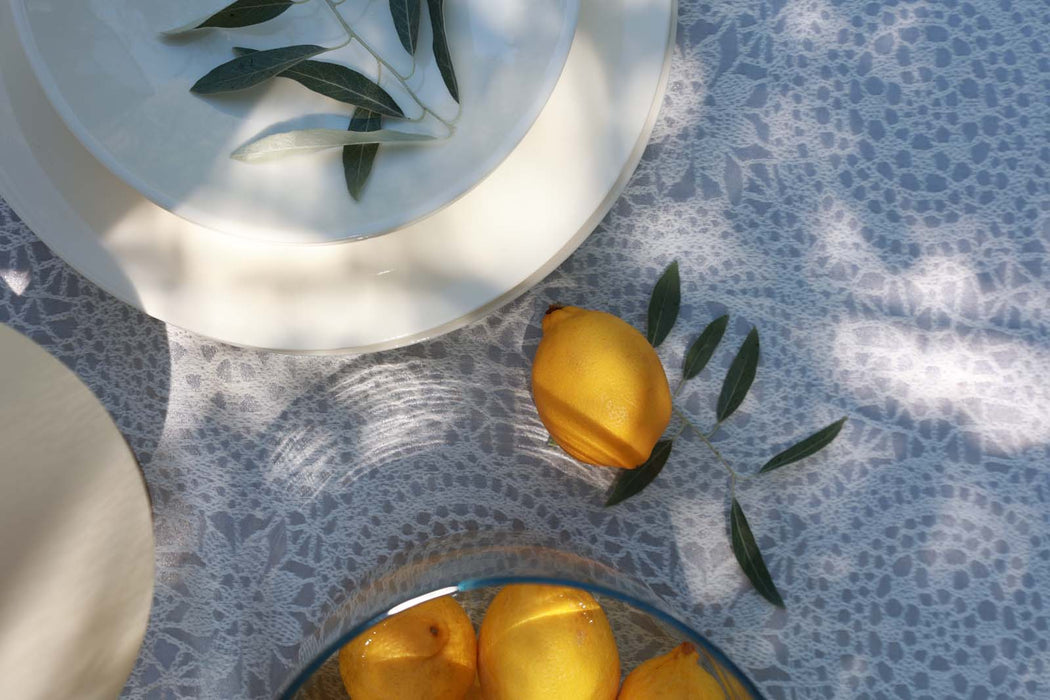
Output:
(442, 55)
(406, 21)
(632, 481)
(358, 158)
(811, 445)
(749, 557)
(254, 68)
(245, 13)
(704, 347)
(340, 83)
(663, 305)
(242, 13)
(289, 143)
(739, 377)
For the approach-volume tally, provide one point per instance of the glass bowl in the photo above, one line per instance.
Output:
(472, 569)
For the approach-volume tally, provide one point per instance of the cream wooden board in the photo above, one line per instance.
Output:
(76, 542)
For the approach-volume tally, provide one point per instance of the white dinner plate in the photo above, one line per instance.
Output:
(124, 91)
(76, 537)
(417, 282)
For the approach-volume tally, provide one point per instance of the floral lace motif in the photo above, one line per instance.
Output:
(867, 183)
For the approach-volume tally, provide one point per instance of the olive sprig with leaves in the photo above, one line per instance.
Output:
(663, 312)
(360, 141)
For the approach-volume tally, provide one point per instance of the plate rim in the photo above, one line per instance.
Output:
(47, 82)
(128, 293)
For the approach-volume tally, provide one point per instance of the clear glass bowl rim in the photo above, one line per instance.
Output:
(473, 584)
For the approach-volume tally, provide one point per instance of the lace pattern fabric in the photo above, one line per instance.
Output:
(865, 182)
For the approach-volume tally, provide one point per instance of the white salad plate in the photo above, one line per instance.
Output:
(76, 537)
(417, 282)
(124, 91)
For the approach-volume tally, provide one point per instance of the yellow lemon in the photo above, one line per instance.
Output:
(428, 652)
(677, 675)
(599, 387)
(547, 643)
(475, 691)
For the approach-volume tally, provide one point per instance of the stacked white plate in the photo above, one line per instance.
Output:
(123, 172)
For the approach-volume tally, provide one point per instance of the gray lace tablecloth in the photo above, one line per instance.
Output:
(868, 184)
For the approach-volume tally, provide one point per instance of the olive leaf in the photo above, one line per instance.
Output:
(358, 158)
(340, 83)
(749, 557)
(739, 377)
(442, 55)
(663, 305)
(242, 13)
(254, 68)
(406, 21)
(704, 347)
(289, 143)
(804, 448)
(632, 481)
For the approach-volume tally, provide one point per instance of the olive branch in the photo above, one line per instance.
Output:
(372, 103)
(663, 312)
